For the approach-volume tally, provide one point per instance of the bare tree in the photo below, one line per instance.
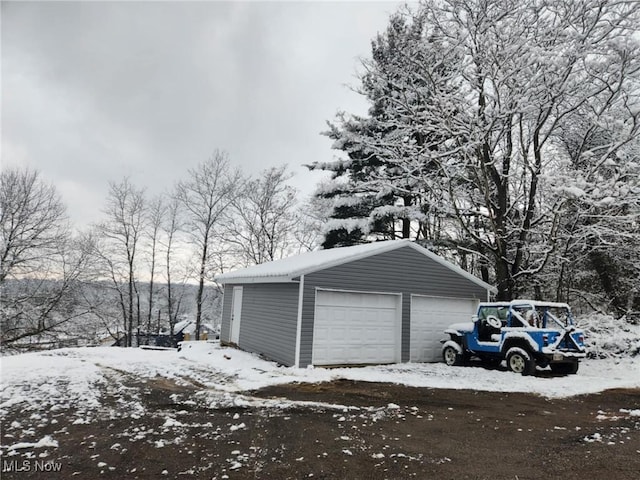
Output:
(311, 217)
(155, 217)
(205, 195)
(33, 222)
(262, 221)
(120, 236)
(171, 227)
(39, 261)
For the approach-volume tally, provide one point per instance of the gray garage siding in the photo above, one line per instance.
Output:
(403, 270)
(225, 323)
(268, 320)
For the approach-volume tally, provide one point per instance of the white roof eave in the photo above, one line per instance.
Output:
(257, 279)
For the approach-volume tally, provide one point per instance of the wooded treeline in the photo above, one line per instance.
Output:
(129, 272)
(503, 135)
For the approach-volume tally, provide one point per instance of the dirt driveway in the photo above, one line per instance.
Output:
(338, 430)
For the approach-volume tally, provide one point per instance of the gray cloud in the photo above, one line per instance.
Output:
(96, 91)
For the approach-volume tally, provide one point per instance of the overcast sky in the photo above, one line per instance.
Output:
(93, 92)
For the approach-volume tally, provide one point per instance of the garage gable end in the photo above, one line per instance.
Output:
(291, 268)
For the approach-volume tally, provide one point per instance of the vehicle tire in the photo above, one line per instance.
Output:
(451, 356)
(518, 361)
(565, 368)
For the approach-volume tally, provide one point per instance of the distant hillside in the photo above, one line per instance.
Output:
(90, 313)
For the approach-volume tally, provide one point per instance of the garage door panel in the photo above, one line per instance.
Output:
(430, 316)
(355, 328)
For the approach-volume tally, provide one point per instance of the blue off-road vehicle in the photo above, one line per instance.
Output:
(525, 333)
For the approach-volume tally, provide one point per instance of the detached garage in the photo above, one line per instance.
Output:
(383, 302)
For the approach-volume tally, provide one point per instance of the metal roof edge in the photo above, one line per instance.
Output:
(390, 245)
(256, 279)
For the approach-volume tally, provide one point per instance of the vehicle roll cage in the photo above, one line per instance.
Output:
(540, 312)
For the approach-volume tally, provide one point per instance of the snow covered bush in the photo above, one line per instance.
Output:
(608, 337)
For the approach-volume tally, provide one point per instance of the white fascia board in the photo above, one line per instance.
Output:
(266, 279)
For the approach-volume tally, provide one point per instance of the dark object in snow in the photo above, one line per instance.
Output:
(153, 347)
(227, 357)
(633, 318)
(525, 333)
(183, 331)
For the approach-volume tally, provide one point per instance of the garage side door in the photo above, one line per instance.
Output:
(430, 316)
(356, 328)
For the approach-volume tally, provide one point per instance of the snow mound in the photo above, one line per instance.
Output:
(44, 442)
(608, 337)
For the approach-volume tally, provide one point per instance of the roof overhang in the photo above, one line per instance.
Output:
(292, 271)
(231, 279)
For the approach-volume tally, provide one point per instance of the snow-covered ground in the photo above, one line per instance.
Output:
(84, 385)
(67, 377)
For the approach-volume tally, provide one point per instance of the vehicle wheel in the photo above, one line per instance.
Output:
(565, 368)
(451, 356)
(518, 361)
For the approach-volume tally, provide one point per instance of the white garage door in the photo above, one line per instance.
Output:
(430, 316)
(356, 328)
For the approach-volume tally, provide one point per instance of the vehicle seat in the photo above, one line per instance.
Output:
(486, 332)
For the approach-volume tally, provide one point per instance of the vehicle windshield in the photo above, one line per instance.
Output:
(491, 310)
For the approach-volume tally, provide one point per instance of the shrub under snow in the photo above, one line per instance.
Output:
(608, 337)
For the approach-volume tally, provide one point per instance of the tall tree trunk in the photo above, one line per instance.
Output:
(503, 279)
(130, 312)
(607, 273)
(132, 290)
(169, 298)
(151, 281)
(203, 265)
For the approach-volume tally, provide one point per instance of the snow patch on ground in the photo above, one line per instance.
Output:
(68, 377)
(50, 380)
(249, 372)
(104, 382)
(45, 441)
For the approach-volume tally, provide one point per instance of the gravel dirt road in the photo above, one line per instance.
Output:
(338, 430)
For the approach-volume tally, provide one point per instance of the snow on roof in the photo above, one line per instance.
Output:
(180, 325)
(524, 301)
(287, 269)
(189, 326)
